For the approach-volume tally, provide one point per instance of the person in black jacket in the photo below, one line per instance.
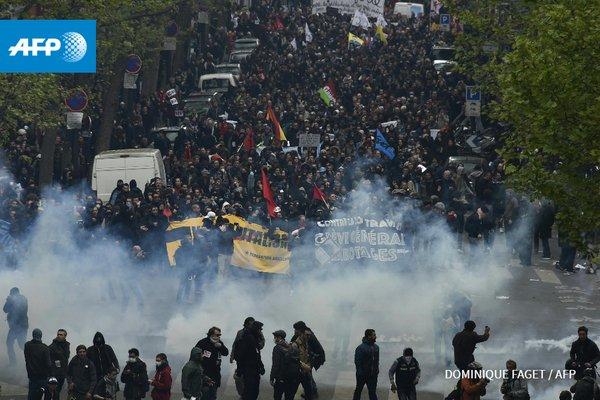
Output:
(366, 359)
(102, 355)
(312, 356)
(15, 309)
(464, 343)
(81, 375)
(586, 388)
(135, 377)
(404, 375)
(285, 369)
(248, 357)
(60, 352)
(212, 350)
(37, 362)
(584, 353)
(237, 377)
(107, 387)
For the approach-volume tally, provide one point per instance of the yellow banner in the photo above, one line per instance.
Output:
(254, 247)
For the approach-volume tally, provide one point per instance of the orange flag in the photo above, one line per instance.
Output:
(279, 133)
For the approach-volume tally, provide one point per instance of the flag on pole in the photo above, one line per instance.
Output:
(354, 40)
(327, 93)
(381, 35)
(268, 194)
(294, 44)
(279, 133)
(308, 36)
(381, 21)
(383, 146)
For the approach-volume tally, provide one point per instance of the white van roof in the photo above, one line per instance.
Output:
(127, 153)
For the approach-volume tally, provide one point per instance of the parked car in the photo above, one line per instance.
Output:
(246, 44)
(237, 57)
(221, 83)
(234, 69)
(200, 102)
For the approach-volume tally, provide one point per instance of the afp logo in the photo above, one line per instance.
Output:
(49, 46)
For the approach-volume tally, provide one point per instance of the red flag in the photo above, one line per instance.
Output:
(268, 194)
(332, 88)
(278, 24)
(167, 212)
(279, 133)
(318, 194)
(249, 140)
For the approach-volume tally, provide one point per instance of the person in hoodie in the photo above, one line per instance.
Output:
(247, 354)
(102, 355)
(366, 359)
(135, 377)
(162, 381)
(60, 352)
(193, 380)
(404, 375)
(81, 375)
(212, 350)
(37, 362)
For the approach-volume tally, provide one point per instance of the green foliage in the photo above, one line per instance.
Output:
(28, 99)
(544, 80)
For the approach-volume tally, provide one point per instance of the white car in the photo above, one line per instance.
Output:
(246, 44)
(233, 69)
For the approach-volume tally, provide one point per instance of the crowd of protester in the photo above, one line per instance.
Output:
(215, 165)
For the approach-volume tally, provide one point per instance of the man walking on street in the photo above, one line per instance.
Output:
(60, 352)
(37, 361)
(15, 309)
(285, 368)
(366, 359)
(464, 344)
(247, 354)
(239, 383)
(404, 375)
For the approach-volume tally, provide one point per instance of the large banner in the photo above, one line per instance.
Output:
(359, 239)
(254, 246)
(372, 8)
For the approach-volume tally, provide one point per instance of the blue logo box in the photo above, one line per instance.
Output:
(34, 46)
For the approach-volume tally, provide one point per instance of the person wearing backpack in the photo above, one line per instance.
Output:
(514, 387)
(404, 375)
(285, 370)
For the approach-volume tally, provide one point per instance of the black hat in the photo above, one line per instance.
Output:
(300, 325)
(279, 333)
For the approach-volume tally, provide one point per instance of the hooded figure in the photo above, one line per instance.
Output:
(192, 375)
(15, 309)
(37, 362)
(102, 355)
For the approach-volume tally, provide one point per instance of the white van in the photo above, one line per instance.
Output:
(217, 82)
(139, 164)
(408, 9)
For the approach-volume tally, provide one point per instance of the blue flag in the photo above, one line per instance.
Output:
(383, 146)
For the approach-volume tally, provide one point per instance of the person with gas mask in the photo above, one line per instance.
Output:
(584, 354)
(212, 350)
(135, 377)
(404, 375)
(366, 359)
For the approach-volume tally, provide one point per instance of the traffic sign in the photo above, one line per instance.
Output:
(76, 100)
(473, 93)
(134, 64)
(445, 22)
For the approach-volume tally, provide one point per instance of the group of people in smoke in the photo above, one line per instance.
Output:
(92, 373)
(210, 171)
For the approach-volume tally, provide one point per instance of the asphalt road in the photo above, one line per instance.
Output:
(540, 309)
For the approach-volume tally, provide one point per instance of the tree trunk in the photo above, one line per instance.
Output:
(150, 81)
(110, 106)
(47, 161)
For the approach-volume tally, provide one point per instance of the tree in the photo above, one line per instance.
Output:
(549, 92)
